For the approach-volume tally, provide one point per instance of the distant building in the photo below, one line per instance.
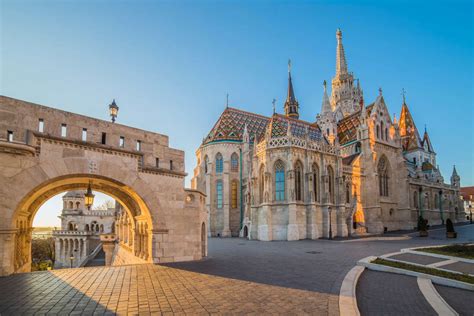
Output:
(467, 195)
(79, 237)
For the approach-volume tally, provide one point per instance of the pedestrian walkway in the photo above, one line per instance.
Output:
(98, 260)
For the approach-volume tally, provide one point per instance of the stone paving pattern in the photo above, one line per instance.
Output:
(240, 276)
(382, 293)
(147, 289)
(420, 259)
(463, 267)
(456, 298)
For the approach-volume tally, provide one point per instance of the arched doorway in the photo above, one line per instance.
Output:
(246, 232)
(133, 205)
(203, 240)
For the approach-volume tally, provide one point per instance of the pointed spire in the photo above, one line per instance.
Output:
(455, 173)
(326, 105)
(341, 65)
(291, 104)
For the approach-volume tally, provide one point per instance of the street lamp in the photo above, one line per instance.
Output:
(470, 213)
(330, 224)
(71, 258)
(89, 197)
(113, 110)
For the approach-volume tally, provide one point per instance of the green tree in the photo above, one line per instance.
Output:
(42, 253)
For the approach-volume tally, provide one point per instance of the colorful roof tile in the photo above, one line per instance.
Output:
(231, 124)
(347, 128)
(278, 126)
(408, 131)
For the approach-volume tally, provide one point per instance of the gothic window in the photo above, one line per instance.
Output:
(206, 163)
(357, 148)
(348, 193)
(331, 184)
(378, 131)
(234, 163)
(261, 182)
(298, 182)
(381, 130)
(71, 205)
(219, 163)
(219, 194)
(234, 194)
(386, 134)
(279, 181)
(382, 170)
(316, 182)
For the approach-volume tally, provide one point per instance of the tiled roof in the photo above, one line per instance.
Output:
(231, 124)
(408, 131)
(74, 194)
(347, 128)
(279, 127)
(467, 193)
(426, 166)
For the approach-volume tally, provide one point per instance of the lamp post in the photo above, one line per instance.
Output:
(113, 110)
(330, 223)
(71, 258)
(89, 197)
(441, 206)
(470, 213)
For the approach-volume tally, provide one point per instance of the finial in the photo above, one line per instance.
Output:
(403, 94)
(289, 65)
(324, 84)
(227, 101)
(273, 103)
(425, 128)
(380, 91)
(338, 33)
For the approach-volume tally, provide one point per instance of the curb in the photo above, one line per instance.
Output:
(434, 298)
(347, 294)
(366, 262)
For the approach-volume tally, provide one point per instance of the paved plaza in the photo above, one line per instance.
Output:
(239, 276)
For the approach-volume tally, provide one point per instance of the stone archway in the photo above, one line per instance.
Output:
(133, 205)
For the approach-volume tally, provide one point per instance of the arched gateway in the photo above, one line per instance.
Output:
(45, 151)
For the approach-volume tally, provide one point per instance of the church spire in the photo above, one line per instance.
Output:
(291, 104)
(326, 105)
(341, 65)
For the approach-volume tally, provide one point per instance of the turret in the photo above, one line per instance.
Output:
(291, 104)
(455, 178)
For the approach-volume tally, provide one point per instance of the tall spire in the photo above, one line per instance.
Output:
(291, 104)
(326, 105)
(341, 65)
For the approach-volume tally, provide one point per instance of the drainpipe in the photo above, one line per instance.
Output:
(241, 197)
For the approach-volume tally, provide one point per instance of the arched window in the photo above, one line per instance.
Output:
(378, 131)
(86, 228)
(381, 130)
(357, 148)
(279, 181)
(331, 184)
(219, 163)
(316, 182)
(206, 163)
(382, 170)
(101, 228)
(219, 193)
(234, 162)
(298, 182)
(261, 182)
(415, 199)
(348, 193)
(386, 134)
(71, 226)
(71, 205)
(78, 204)
(233, 197)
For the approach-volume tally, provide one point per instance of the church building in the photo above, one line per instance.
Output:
(353, 170)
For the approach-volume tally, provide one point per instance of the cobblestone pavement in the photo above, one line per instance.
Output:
(240, 276)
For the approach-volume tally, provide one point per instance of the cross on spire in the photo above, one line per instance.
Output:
(227, 101)
(273, 103)
(403, 94)
(380, 91)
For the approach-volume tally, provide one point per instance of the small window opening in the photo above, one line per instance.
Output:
(63, 130)
(84, 134)
(122, 142)
(41, 125)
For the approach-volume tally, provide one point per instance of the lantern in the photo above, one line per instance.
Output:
(89, 197)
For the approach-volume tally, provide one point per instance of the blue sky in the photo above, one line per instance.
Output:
(170, 64)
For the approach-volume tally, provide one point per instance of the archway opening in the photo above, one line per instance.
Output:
(129, 218)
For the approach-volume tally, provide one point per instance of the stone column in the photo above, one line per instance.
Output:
(108, 245)
(208, 202)
(226, 191)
